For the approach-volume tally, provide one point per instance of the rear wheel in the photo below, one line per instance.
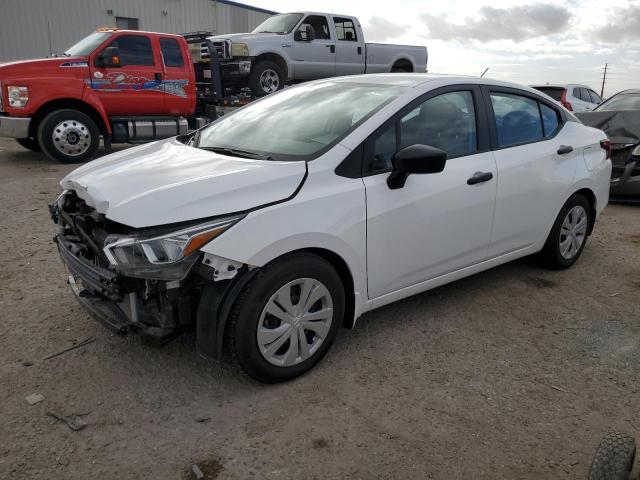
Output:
(614, 458)
(568, 235)
(29, 143)
(68, 136)
(266, 77)
(286, 318)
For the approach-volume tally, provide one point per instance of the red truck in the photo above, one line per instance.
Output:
(119, 85)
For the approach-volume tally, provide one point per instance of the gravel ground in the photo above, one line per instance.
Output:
(512, 373)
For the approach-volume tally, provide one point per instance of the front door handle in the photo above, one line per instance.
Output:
(480, 177)
(332, 48)
(564, 149)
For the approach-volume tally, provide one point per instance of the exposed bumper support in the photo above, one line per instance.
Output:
(14, 127)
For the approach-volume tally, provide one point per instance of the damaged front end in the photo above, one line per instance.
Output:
(152, 280)
(625, 175)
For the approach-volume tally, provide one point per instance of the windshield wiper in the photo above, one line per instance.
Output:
(234, 152)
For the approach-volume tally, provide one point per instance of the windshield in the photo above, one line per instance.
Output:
(623, 101)
(298, 123)
(279, 23)
(88, 44)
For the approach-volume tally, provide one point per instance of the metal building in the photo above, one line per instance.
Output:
(37, 28)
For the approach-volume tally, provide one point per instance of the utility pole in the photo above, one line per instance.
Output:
(604, 79)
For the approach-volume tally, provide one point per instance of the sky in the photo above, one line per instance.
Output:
(528, 41)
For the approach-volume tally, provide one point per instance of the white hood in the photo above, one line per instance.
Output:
(168, 182)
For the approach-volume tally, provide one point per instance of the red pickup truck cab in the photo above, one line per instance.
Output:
(123, 86)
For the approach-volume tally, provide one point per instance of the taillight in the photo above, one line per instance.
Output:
(563, 101)
(607, 147)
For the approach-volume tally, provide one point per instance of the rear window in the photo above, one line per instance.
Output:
(171, 52)
(553, 92)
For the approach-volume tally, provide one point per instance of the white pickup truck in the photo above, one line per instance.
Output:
(293, 47)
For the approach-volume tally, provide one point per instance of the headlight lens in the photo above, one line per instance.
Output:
(162, 257)
(636, 151)
(18, 96)
(239, 50)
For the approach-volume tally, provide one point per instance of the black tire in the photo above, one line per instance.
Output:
(257, 71)
(29, 143)
(614, 458)
(87, 136)
(241, 344)
(551, 256)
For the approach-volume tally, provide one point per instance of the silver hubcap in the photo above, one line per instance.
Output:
(294, 322)
(269, 81)
(573, 232)
(71, 137)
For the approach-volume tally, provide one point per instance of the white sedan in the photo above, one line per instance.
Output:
(274, 226)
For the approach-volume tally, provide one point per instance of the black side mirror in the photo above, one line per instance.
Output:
(305, 33)
(109, 57)
(415, 159)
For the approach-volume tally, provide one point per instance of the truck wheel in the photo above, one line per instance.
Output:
(614, 458)
(286, 318)
(29, 143)
(68, 136)
(266, 77)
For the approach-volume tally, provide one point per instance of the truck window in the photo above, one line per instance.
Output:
(171, 53)
(345, 29)
(134, 50)
(320, 25)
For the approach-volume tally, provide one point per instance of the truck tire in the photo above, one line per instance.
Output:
(273, 332)
(266, 77)
(614, 458)
(68, 136)
(29, 143)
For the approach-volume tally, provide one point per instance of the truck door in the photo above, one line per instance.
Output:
(315, 58)
(349, 48)
(178, 81)
(135, 86)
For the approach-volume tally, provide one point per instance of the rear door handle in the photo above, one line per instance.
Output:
(480, 177)
(158, 77)
(564, 149)
(359, 50)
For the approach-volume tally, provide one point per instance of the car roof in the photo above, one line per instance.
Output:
(418, 79)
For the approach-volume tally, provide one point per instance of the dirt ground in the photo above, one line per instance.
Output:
(512, 373)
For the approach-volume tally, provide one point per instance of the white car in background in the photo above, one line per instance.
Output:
(575, 98)
(274, 226)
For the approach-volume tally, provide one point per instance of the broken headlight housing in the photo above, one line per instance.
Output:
(166, 256)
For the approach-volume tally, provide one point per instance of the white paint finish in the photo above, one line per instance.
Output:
(167, 182)
(434, 225)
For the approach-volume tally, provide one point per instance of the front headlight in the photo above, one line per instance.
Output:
(636, 152)
(239, 50)
(162, 257)
(18, 96)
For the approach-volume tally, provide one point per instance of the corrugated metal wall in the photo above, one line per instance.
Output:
(35, 28)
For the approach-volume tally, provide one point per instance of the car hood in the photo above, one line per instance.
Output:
(168, 182)
(244, 37)
(621, 126)
(35, 67)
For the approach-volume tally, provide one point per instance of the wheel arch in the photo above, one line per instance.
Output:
(403, 64)
(68, 104)
(591, 198)
(277, 59)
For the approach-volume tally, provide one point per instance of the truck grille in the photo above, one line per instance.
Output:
(222, 47)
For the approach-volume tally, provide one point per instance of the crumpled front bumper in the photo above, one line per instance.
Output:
(14, 127)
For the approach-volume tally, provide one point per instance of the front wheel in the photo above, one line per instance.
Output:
(568, 235)
(68, 136)
(266, 77)
(286, 318)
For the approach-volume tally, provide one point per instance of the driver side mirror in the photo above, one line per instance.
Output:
(305, 33)
(418, 159)
(109, 57)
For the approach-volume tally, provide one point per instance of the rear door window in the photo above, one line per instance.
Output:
(345, 29)
(171, 53)
(517, 118)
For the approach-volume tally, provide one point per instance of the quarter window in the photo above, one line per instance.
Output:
(446, 122)
(517, 119)
(171, 52)
(134, 50)
(595, 98)
(345, 29)
(550, 121)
